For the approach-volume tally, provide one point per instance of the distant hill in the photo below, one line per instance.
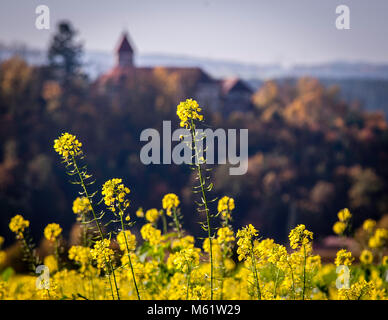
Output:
(363, 82)
(370, 94)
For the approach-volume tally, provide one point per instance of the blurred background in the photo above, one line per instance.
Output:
(314, 99)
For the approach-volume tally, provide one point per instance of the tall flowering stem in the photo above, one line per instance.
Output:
(68, 146)
(129, 258)
(96, 220)
(18, 225)
(246, 251)
(188, 112)
(205, 204)
(114, 193)
(299, 238)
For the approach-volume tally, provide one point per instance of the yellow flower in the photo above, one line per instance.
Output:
(187, 111)
(101, 253)
(245, 241)
(339, 227)
(114, 193)
(183, 243)
(186, 259)
(151, 234)
(18, 224)
(52, 231)
(358, 291)
(131, 240)
(366, 257)
(344, 215)
(81, 205)
(225, 235)
(300, 236)
(140, 213)
(384, 261)
(81, 255)
(343, 257)
(51, 262)
(1, 241)
(225, 207)
(67, 145)
(170, 201)
(152, 215)
(369, 225)
(379, 238)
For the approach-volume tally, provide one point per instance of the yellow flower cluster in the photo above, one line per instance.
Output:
(343, 257)
(131, 240)
(366, 257)
(80, 254)
(101, 253)
(52, 231)
(340, 226)
(300, 236)
(152, 215)
(188, 110)
(151, 234)
(114, 193)
(140, 213)
(81, 205)
(51, 262)
(182, 243)
(344, 215)
(225, 235)
(186, 259)
(369, 225)
(225, 207)
(379, 238)
(18, 224)
(245, 242)
(67, 145)
(170, 202)
(358, 291)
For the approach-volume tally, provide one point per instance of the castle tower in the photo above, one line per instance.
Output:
(124, 52)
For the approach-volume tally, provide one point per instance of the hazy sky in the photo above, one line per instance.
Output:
(261, 31)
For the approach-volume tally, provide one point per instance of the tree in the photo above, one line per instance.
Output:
(65, 53)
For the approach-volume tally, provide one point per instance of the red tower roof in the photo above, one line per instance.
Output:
(124, 45)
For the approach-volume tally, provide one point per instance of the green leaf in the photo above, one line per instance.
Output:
(7, 273)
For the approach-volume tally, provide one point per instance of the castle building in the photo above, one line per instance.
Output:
(225, 95)
(124, 53)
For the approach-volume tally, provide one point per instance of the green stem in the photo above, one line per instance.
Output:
(129, 256)
(164, 223)
(83, 226)
(202, 184)
(30, 254)
(293, 281)
(255, 275)
(188, 283)
(108, 261)
(276, 283)
(178, 227)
